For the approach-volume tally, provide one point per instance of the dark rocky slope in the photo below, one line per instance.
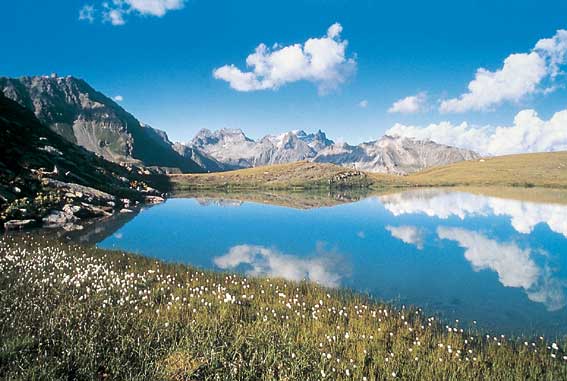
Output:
(46, 180)
(86, 117)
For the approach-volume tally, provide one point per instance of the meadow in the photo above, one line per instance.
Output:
(77, 312)
(544, 170)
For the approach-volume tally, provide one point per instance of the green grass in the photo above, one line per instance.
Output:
(70, 312)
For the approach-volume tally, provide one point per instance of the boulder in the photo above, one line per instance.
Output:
(154, 199)
(58, 218)
(18, 224)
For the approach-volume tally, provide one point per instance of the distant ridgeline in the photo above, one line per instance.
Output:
(84, 116)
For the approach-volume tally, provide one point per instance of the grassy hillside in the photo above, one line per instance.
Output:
(526, 170)
(300, 175)
(79, 313)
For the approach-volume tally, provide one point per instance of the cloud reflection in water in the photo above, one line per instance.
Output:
(322, 268)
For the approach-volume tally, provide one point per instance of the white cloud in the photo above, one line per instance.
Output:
(363, 103)
(524, 216)
(153, 7)
(114, 16)
(118, 98)
(411, 235)
(529, 133)
(514, 266)
(264, 261)
(555, 49)
(319, 60)
(521, 74)
(87, 13)
(114, 11)
(410, 105)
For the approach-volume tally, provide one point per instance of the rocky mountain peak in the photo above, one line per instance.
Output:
(72, 108)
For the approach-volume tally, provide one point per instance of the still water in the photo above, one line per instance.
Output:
(500, 262)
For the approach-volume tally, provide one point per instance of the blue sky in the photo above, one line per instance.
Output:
(161, 61)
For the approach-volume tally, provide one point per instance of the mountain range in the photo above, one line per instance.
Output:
(232, 149)
(73, 109)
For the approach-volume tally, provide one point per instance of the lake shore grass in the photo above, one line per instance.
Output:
(77, 312)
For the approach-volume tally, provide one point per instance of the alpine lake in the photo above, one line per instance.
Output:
(492, 258)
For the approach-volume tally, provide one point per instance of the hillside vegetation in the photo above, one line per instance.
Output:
(299, 175)
(525, 170)
(77, 313)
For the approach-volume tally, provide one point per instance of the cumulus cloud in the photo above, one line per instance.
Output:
(520, 75)
(118, 98)
(263, 261)
(515, 266)
(529, 133)
(411, 235)
(363, 103)
(115, 11)
(410, 105)
(322, 61)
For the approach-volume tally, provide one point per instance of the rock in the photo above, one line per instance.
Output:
(154, 199)
(51, 150)
(111, 203)
(18, 224)
(58, 218)
(95, 211)
(72, 227)
(72, 209)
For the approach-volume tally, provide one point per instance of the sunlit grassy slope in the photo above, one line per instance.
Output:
(300, 175)
(80, 313)
(526, 170)
(535, 169)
